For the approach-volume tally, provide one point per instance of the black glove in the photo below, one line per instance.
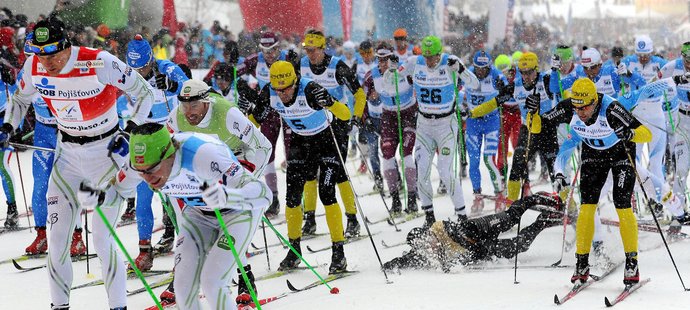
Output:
(455, 65)
(6, 75)
(678, 79)
(464, 113)
(129, 127)
(555, 62)
(532, 103)
(624, 133)
(164, 83)
(245, 105)
(5, 132)
(505, 94)
(559, 182)
(322, 97)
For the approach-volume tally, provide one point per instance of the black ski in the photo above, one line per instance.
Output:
(316, 283)
(19, 267)
(406, 218)
(130, 275)
(279, 273)
(629, 289)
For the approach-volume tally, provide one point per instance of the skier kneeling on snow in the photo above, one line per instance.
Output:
(447, 243)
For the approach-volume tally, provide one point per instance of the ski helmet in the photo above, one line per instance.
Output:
(431, 46)
(528, 60)
(685, 49)
(193, 90)
(516, 57)
(149, 144)
(502, 62)
(481, 59)
(282, 74)
(584, 92)
(139, 52)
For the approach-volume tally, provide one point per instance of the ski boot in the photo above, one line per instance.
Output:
(352, 229)
(40, 244)
(119, 308)
(309, 227)
(441, 190)
(411, 203)
(77, 248)
(631, 276)
(168, 296)
(145, 259)
(378, 183)
(165, 244)
(243, 295)
(338, 261)
(274, 208)
(60, 307)
(130, 213)
(396, 207)
(430, 219)
(477, 204)
(12, 221)
(581, 269)
(684, 219)
(291, 260)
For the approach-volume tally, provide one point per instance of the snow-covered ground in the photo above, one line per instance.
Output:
(460, 289)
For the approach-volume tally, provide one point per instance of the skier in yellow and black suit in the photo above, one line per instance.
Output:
(609, 133)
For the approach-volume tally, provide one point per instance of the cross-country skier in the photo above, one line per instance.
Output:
(202, 175)
(79, 85)
(609, 133)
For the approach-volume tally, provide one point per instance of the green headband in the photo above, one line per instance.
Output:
(566, 53)
(145, 150)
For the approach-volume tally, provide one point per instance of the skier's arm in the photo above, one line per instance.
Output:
(466, 76)
(262, 105)
(348, 77)
(319, 98)
(561, 113)
(257, 148)
(21, 99)
(117, 73)
(620, 117)
(505, 93)
(174, 73)
(564, 152)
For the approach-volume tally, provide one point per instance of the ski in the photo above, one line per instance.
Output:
(629, 289)
(255, 253)
(25, 269)
(304, 237)
(130, 276)
(350, 240)
(9, 230)
(392, 245)
(508, 267)
(577, 288)
(370, 222)
(152, 285)
(647, 228)
(406, 218)
(23, 258)
(280, 273)
(316, 283)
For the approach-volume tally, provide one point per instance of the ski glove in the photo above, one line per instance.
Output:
(555, 62)
(165, 83)
(464, 113)
(622, 70)
(559, 183)
(682, 79)
(119, 144)
(322, 97)
(5, 132)
(6, 75)
(245, 105)
(214, 195)
(624, 133)
(532, 103)
(455, 65)
(393, 62)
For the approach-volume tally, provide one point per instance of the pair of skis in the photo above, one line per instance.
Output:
(579, 287)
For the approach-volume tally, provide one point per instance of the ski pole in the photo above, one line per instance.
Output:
(656, 221)
(168, 209)
(284, 241)
(400, 145)
(101, 197)
(359, 207)
(565, 215)
(88, 263)
(26, 146)
(385, 204)
(21, 183)
(268, 259)
(461, 123)
(221, 222)
(525, 177)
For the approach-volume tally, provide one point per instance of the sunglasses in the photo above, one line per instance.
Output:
(591, 67)
(45, 49)
(153, 169)
(527, 72)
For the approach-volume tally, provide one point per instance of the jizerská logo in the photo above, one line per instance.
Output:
(42, 34)
(139, 148)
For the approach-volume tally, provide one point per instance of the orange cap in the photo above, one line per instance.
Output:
(400, 33)
(416, 50)
(103, 30)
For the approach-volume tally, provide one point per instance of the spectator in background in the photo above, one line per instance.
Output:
(180, 53)
(193, 50)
